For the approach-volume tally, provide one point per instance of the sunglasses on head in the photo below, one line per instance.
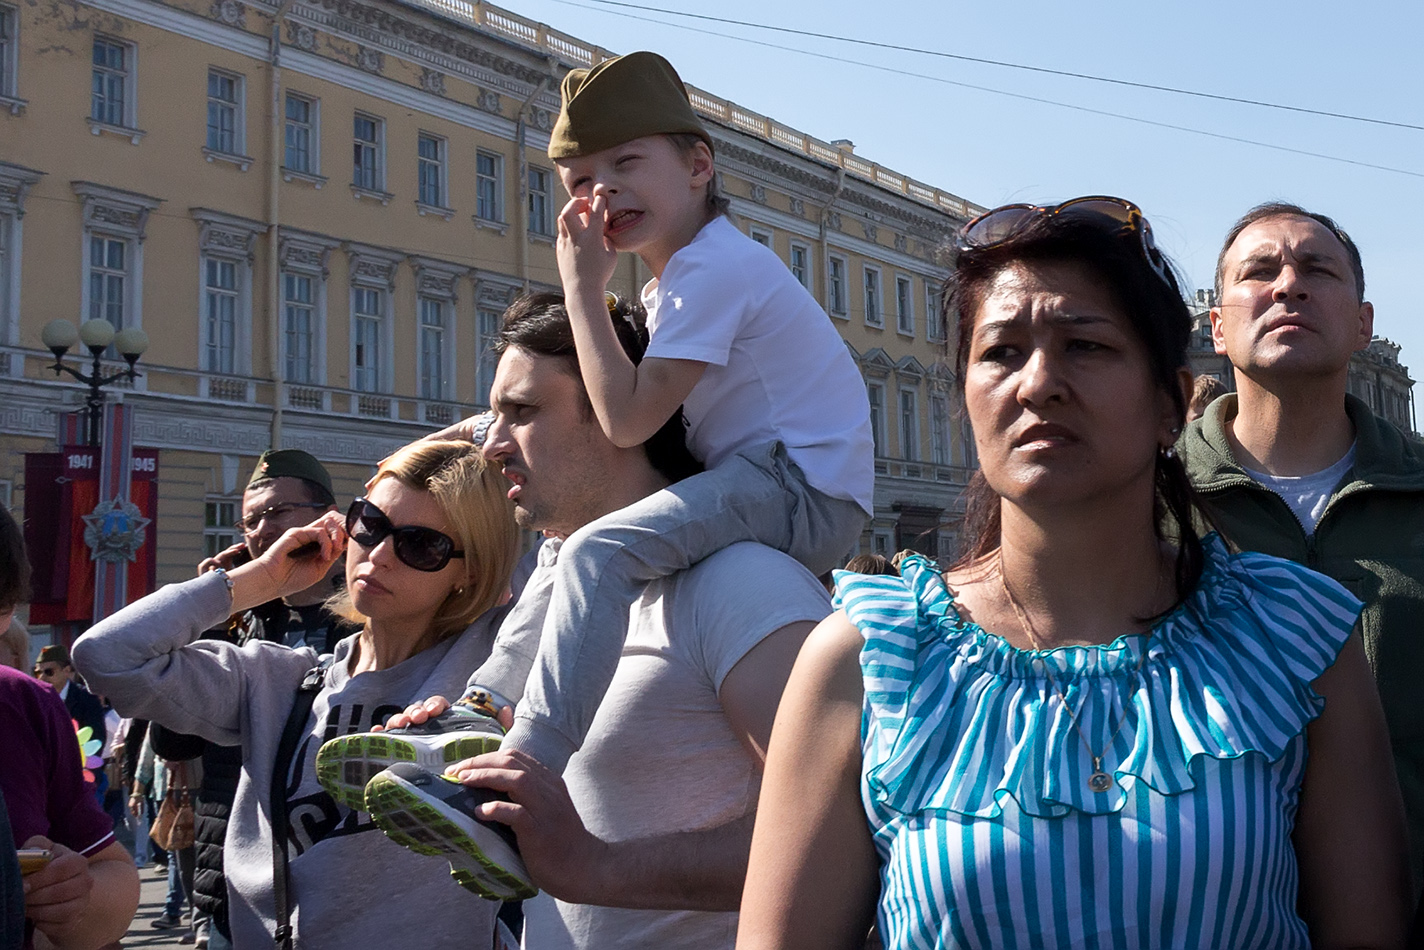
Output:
(995, 227)
(424, 549)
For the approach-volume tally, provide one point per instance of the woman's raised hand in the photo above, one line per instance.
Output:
(298, 559)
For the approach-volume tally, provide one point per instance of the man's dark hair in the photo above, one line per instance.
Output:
(539, 323)
(1284, 209)
(14, 564)
(316, 494)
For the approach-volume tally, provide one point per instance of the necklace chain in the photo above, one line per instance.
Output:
(1098, 781)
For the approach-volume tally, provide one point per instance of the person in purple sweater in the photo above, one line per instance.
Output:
(86, 896)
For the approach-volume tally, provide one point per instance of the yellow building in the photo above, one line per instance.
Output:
(318, 210)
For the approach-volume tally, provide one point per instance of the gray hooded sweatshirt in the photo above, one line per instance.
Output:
(351, 886)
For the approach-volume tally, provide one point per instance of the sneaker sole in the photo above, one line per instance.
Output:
(345, 765)
(480, 861)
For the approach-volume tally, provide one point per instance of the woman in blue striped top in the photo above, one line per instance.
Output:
(1098, 729)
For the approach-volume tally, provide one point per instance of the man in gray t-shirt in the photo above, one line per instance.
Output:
(643, 843)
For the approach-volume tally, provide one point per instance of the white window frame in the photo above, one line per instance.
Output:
(873, 288)
(541, 202)
(377, 185)
(128, 85)
(370, 312)
(373, 270)
(805, 277)
(494, 180)
(436, 169)
(115, 214)
(763, 237)
(436, 283)
(220, 514)
(940, 433)
(873, 389)
(307, 255)
(117, 309)
(908, 422)
(295, 371)
(439, 370)
(904, 305)
(934, 319)
(15, 184)
(10, 58)
(219, 355)
(313, 129)
(487, 322)
(238, 107)
(837, 296)
(226, 239)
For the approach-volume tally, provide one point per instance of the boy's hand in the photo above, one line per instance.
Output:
(586, 259)
(57, 895)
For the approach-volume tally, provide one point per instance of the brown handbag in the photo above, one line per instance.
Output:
(173, 827)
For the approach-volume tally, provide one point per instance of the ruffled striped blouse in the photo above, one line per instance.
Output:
(975, 781)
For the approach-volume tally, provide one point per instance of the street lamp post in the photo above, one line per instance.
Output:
(60, 335)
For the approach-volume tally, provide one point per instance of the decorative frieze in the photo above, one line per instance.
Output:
(371, 60)
(872, 233)
(489, 101)
(115, 210)
(373, 266)
(301, 36)
(231, 12)
(432, 81)
(438, 279)
(15, 183)
(798, 207)
(308, 253)
(226, 235)
(758, 193)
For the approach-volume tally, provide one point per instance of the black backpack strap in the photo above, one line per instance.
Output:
(312, 684)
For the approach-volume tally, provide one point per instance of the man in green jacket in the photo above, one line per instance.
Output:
(1291, 465)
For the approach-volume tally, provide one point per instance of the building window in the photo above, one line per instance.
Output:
(876, 393)
(939, 428)
(108, 279)
(367, 171)
(302, 139)
(111, 100)
(934, 316)
(432, 349)
(904, 306)
(800, 264)
(909, 426)
(219, 525)
(219, 315)
(9, 53)
(873, 315)
(836, 286)
(430, 154)
(224, 112)
(367, 316)
(761, 237)
(489, 186)
(486, 329)
(298, 326)
(541, 201)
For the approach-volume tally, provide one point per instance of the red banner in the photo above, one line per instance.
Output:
(61, 491)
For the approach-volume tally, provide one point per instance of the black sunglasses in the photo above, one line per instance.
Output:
(424, 549)
(999, 225)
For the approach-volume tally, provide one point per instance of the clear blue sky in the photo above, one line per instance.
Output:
(1360, 58)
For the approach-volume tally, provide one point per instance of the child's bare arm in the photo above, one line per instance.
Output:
(631, 402)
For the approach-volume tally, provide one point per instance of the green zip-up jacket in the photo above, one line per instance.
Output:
(1370, 539)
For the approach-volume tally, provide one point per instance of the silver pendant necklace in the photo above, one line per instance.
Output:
(1098, 780)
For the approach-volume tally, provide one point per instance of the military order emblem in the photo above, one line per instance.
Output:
(114, 531)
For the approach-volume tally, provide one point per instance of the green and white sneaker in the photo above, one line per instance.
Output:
(345, 764)
(432, 813)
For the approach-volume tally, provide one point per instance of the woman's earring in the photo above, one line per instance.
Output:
(1169, 451)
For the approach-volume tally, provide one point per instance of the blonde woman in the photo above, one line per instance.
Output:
(429, 551)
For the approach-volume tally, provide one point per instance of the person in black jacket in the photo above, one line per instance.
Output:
(54, 668)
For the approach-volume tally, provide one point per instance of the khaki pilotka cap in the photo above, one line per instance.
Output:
(619, 100)
(291, 463)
